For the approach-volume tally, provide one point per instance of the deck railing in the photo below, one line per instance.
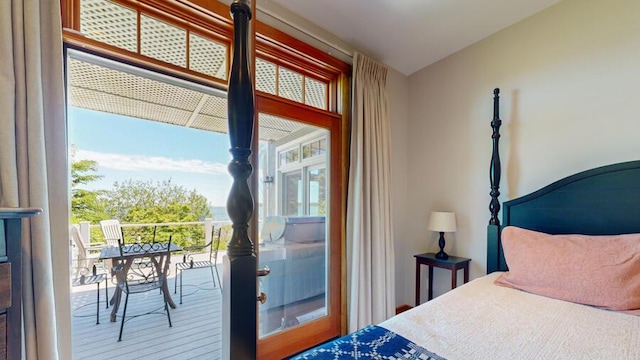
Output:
(86, 226)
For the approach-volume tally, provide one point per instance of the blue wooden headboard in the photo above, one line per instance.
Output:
(600, 201)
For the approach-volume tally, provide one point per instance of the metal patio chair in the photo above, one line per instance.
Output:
(189, 262)
(143, 267)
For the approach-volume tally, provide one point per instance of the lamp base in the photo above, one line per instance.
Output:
(441, 254)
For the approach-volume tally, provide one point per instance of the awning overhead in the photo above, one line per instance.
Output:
(104, 89)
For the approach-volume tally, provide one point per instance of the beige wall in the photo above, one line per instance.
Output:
(570, 82)
(398, 88)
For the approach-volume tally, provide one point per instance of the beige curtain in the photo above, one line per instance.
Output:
(370, 254)
(32, 164)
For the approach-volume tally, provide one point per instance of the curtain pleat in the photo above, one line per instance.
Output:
(32, 149)
(370, 250)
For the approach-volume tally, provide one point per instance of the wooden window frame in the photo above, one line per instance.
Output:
(191, 18)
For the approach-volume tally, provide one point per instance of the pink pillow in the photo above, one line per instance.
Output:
(602, 271)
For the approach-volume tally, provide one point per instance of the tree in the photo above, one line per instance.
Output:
(146, 202)
(138, 202)
(85, 204)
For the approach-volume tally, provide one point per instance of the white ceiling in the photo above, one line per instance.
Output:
(411, 34)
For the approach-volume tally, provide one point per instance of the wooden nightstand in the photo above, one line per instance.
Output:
(453, 263)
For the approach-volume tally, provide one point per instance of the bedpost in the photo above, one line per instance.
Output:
(495, 169)
(240, 283)
(493, 229)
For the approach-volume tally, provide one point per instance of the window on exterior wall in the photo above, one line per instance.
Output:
(317, 188)
(315, 148)
(291, 194)
(303, 181)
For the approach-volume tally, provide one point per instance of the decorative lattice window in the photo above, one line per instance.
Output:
(110, 23)
(163, 41)
(207, 56)
(265, 76)
(290, 85)
(191, 47)
(278, 80)
(315, 93)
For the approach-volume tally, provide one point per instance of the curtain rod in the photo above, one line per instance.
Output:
(307, 32)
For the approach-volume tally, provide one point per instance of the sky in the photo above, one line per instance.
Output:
(128, 148)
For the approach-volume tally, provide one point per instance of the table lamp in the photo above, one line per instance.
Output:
(442, 222)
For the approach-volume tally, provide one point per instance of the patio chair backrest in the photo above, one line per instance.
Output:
(111, 231)
(212, 247)
(215, 246)
(86, 257)
(142, 270)
(76, 237)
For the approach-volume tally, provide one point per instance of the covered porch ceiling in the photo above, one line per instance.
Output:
(107, 86)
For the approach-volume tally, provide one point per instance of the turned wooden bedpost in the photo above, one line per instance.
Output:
(493, 229)
(239, 292)
(495, 169)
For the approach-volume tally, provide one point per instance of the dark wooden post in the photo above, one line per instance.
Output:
(242, 263)
(495, 169)
(493, 229)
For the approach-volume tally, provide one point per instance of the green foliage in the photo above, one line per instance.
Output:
(85, 204)
(140, 202)
(82, 172)
(146, 202)
(225, 236)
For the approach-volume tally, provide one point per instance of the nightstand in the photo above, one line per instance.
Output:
(453, 263)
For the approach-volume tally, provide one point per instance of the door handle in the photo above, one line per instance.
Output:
(262, 298)
(264, 271)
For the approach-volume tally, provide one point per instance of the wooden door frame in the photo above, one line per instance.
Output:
(213, 18)
(330, 327)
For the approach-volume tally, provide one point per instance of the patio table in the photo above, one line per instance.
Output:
(113, 253)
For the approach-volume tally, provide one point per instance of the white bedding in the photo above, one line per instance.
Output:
(480, 320)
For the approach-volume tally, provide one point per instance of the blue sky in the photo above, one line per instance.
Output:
(128, 148)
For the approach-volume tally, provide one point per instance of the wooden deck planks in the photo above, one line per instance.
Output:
(196, 331)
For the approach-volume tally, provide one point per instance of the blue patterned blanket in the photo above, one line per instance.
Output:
(371, 342)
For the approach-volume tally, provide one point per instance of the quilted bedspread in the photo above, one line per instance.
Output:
(371, 342)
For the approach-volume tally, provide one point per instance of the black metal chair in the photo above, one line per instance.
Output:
(189, 261)
(143, 267)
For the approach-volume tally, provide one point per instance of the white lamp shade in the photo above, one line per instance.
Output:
(442, 221)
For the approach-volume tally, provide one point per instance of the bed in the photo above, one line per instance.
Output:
(563, 280)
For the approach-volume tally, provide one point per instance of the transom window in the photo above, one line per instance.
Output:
(286, 83)
(136, 31)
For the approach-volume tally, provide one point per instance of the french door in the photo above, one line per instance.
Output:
(299, 191)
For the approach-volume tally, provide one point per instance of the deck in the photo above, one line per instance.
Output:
(196, 331)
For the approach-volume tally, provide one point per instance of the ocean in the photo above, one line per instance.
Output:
(219, 213)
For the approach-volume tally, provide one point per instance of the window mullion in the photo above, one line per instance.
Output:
(138, 31)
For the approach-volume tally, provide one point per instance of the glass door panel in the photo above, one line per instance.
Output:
(293, 220)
